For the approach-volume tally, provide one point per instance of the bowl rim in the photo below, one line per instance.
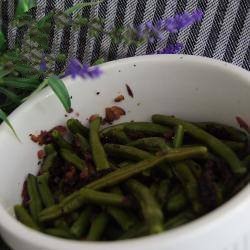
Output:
(206, 222)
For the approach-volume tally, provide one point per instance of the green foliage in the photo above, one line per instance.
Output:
(60, 90)
(2, 41)
(24, 6)
(20, 73)
(4, 117)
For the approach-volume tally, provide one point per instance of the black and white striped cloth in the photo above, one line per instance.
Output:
(223, 34)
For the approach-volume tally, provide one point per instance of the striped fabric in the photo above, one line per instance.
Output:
(223, 34)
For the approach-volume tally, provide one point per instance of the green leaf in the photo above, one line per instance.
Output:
(24, 6)
(60, 90)
(81, 6)
(4, 118)
(2, 41)
(99, 61)
(4, 72)
(43, 22)
(20, 83)
(10, 95)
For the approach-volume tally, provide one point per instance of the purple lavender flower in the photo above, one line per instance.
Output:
(171, 49)
(75, 68)
(95, 72)
(180, 21)
(43, 65)
(197, 15)
(153, 32)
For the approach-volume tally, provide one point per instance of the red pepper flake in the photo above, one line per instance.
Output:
(114, 113)
(65, 115)
(243, 124)
(130, 92)
(119, 98)
(41, 154)
(77, 114)
(98, 93)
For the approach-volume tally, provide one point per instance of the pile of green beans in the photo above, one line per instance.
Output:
(133, 179)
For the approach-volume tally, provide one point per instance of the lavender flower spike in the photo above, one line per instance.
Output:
(75, 68)
(180, 21)
(171, 49)
(43, 65)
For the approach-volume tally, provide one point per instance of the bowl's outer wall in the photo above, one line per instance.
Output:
(181, 86)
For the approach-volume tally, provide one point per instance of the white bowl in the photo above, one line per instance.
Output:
(193, 88)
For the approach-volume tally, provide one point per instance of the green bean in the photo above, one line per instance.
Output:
(233, 133)
(48, 162)
(126, 152)
(246, 162)
(116, 190)
(23, 216)
(119, 136)
(215, 144)
(35, 203)
(83, 143)
(80, 226)
(180, 219)
(76, 127)
(103, 198)
(152, 144)
(153, 188)
(98, 153)
(97, 227)
(59, 232)
(74, 201)
(162, 192)
(138, 230)
(178, 138)
(61, 224)
(83, 196)
(49, 149)
(60, 141)
(189, 184)
(44, 190)
(123, 218)
(126, 172)
(242, 184)
(124, 163)
(195, 168)
(234, 145)
(106, 131)
(112, 232)
(176, 202)
(150, 208)
(73, 158)
(146, 128)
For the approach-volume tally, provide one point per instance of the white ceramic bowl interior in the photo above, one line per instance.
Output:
(193, 88)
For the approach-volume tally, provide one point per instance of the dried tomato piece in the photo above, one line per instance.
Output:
(119, 98)
(41, 154)
(113, 113)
